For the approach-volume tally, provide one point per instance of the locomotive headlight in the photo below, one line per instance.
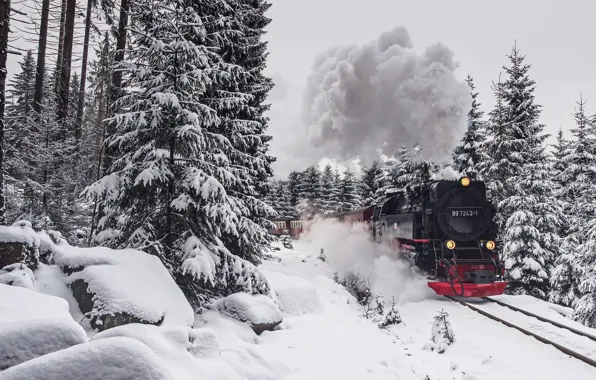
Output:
(450, 244)
(465, 181)
(490, 245)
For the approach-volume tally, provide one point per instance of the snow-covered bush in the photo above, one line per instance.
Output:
(442, 333)
(357, 286)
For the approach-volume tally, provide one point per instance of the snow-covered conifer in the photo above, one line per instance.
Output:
(167, 191)
(442, 332)
(309, 191)
(369, 184)
(467, 155)
(329, 191)
(348, 197)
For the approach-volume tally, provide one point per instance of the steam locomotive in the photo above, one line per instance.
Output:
(446, 229)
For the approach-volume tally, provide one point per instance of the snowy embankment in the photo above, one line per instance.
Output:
(310, 327)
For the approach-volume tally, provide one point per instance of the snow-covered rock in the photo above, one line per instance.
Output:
(258, 311)
(34, 324)
(19, 243)
(17, 275)
(295, 295)
(118, 358)
(179, 346)
(116, 287)
(22, 341)
(19, 304)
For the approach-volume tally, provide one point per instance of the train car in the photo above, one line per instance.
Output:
(282, 226)
(362, 215)
(446, 229)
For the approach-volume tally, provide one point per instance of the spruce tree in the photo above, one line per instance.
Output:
(533, 219)
(236, 28)
(467, 155)
(497, 167)
(309, 190)
(368, 185)
(348, 192)
(294, 180)
(329, 191)
(167, 192)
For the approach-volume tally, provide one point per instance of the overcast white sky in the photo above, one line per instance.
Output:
(556, 37)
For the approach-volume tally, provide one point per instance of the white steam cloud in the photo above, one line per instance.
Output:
(349, 248)
(381, 95)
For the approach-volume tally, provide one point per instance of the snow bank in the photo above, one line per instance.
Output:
(296, 296)
(34, 324)
(121, 286)
(22, 341)
(189, 353)
(17, 275)
(118, 358)
(20, 305)
(241, 351)
(258, 311)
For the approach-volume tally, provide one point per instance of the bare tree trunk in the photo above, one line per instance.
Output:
(58, 78)
(41, 56)
(66, 61)
(116, 90)
(4, 29)
(81, 100)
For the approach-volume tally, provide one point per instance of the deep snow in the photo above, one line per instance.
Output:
(323, 334)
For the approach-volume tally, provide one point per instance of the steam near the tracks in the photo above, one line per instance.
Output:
(382, 95)
(349, 249)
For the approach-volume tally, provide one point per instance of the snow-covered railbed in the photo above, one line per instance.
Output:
(483, 348)
(564, 337)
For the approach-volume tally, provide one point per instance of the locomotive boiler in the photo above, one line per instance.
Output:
(446, 229)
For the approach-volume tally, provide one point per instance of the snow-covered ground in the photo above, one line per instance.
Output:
(323, 335)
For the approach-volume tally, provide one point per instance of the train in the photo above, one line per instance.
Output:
(445, 228)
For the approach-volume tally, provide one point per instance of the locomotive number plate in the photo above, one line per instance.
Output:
(465, 212)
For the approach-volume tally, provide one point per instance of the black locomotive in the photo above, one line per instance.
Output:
(445, 228)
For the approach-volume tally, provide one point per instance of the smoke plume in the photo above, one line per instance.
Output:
(359, 99)
(348, 248)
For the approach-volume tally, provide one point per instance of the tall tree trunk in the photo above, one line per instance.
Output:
(4, 29)
(41, 56)
(58, 78)
(116, 89)
(81, 100)
(66, 60)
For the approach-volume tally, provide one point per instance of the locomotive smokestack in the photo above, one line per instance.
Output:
(381, 95)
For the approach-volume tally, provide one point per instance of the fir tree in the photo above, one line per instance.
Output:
(533, 218)
(329, 191)
(467, 155)
(294, 180)
(166, 193)
(369, 184)
(348, 197)
(236, 28)
(309, 191)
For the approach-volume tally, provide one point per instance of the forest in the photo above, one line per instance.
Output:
(159, 141)
(544, 193)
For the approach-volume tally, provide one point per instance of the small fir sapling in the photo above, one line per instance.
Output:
(392, 317)
(322, 255)
(442, 332)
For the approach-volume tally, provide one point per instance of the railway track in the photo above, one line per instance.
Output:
(542, 339)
